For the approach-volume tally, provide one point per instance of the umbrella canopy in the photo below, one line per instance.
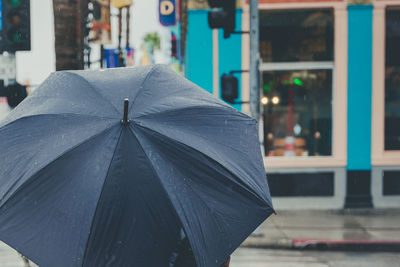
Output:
(79, 186)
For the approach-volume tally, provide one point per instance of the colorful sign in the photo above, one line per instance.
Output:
(167, 11)
(111, 57)
(100, 31)
(121, 3)
(129, 57)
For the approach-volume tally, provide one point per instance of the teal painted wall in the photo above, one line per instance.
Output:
(359, 87)
(230, 54)
(198, 53)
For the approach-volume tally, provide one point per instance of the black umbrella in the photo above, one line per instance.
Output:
(83, 185)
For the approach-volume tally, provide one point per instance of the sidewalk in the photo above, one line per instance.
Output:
(10, 258)
(356, 229)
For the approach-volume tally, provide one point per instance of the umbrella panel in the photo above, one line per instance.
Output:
(216, 213)
(48, 218)
(135, 224)
(226, 136)
(33, 142)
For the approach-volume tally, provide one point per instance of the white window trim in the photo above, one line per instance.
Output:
(380, 156)
(339, 89)
(282, 66)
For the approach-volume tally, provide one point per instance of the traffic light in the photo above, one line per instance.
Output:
(224, 17)
(229, 88)
(15, 93)
(15, 26)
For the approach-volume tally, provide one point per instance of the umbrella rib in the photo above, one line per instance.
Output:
(161, 184)
(176, 110)
(93, 88)
(219, 107)
(52, 114)
(42, 167)
(190, 186)
(97, 203)
(141, 86)
(243, 185)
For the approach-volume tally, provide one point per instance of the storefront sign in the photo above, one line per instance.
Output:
(101, 23)
(167, 12)
(121, 3)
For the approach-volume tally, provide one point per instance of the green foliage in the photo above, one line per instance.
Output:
(153, 40)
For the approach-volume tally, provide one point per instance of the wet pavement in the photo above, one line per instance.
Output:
(10, 258)
(366, 226)
(283, 230)
(251, 257)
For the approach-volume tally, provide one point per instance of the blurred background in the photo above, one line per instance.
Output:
(328, 103)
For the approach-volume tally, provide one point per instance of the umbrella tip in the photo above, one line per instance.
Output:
(125, 118)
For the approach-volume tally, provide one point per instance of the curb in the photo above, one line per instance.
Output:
(259, 242)
(324, 244)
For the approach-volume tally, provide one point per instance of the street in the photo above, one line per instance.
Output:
(248, 257)
(10, 258)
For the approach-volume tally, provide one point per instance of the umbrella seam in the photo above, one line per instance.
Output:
(219, 107)
(97, 203)
(141, 86)
(192, 189)
(242, 184)
(94, 89)
(52, 114)
(41, 168)
(200, 136)
(161, 184)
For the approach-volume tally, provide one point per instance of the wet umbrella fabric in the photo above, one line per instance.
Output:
(80, 188)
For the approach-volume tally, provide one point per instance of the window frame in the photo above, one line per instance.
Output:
(292, 66)
(339, 84)
(380, 156)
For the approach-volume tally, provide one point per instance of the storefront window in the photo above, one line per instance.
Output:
(296, 35)
(297, 112)
(392, 80)
(297, 67)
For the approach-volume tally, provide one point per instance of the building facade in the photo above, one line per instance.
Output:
(330, 85)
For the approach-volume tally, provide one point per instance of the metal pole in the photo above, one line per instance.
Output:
(128, 16)
(254, 61)
(120, 55)
(101, 56)
(254, 75)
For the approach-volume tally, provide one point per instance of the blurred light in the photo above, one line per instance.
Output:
(266, 87)
(264, 100)
(297, 129)
(298, 82)
(14, 3)
(275, 100)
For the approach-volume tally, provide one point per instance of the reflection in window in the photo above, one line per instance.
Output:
(296, 35)
(392, 80)
(297, 112)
